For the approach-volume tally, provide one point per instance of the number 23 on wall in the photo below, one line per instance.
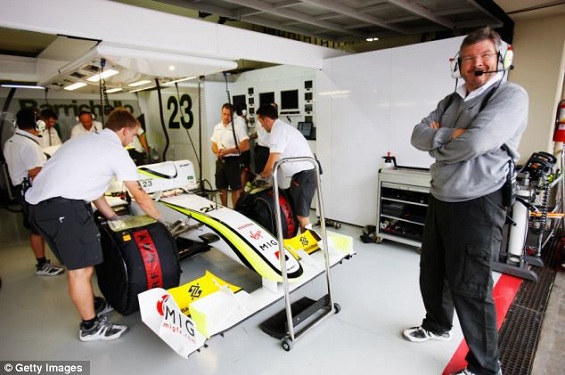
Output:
(181, 110)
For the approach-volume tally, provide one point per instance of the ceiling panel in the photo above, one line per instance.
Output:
(342, 24)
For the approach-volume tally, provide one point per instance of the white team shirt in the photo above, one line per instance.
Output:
(223, 135)
(49, 137)
(22, 153)
(286, 140)
(262, 137)
(79, 130)
(83, 168)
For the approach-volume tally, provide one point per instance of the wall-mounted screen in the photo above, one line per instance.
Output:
(289, 100)
(266, 98)
(308, 96)
(306, 129)
(251, 101)
(308, 108)
(307, 85)
(239, 101)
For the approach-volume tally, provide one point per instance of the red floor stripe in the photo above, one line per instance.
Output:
(503, 294)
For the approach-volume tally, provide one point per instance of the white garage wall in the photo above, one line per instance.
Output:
(367, 105)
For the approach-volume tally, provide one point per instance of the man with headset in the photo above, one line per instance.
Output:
(25, 159)
(465, 135)
(86, 125)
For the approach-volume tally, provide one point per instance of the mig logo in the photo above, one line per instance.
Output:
(195, 291)
(160, 303)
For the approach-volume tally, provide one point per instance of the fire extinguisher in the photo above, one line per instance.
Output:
(559, 133)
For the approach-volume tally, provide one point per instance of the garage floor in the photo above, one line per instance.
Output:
(377, 290)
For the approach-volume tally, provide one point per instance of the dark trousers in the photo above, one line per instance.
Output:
(455, 273)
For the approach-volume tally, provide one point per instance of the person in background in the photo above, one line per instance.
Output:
(240, 115)
(261, 148)
(466, 214)
(49, 136)
(229, 140)
(25, 159)
(86, 125)
(60, 207)
(139, 149)
(299, 178)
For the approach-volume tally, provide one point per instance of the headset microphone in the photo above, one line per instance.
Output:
(480, 72)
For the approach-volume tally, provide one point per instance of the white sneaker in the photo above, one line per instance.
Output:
(102, 330)
(419, 334)
(47, 269)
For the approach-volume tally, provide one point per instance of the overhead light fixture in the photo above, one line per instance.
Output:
(139, 83)
(372, 39)
(105, 74)
(75, 86)
(115, 89)
(178, 80)
(143, 89)
(22, 86)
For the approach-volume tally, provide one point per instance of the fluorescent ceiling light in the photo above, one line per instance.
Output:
(115, 89)
(139, 83)
(372, 39)
(143, 89)
(337, 92)
(75, 86)
(103, 75)
(178, 80)
(22, 86)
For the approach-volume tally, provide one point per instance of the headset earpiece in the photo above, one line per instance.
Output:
(39, 123)
(455, 66)
(505, 60)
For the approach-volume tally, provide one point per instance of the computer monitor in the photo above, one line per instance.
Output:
(289, 100)
(306, 128)
(266, 98)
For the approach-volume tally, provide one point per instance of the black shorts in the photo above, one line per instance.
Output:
(260, 158)
(68, 227)
(228, 173)
(245, 158)
(301, 191)
(25, 210)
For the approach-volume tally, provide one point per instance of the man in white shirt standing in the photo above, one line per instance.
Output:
(299, 178)
(229, 140)
(25, 159)
(86, 125)
(49, 136)
(60, 207)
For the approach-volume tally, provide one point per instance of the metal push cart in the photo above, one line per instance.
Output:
(324, 306)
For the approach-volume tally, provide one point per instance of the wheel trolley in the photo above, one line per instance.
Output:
(324, 307)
